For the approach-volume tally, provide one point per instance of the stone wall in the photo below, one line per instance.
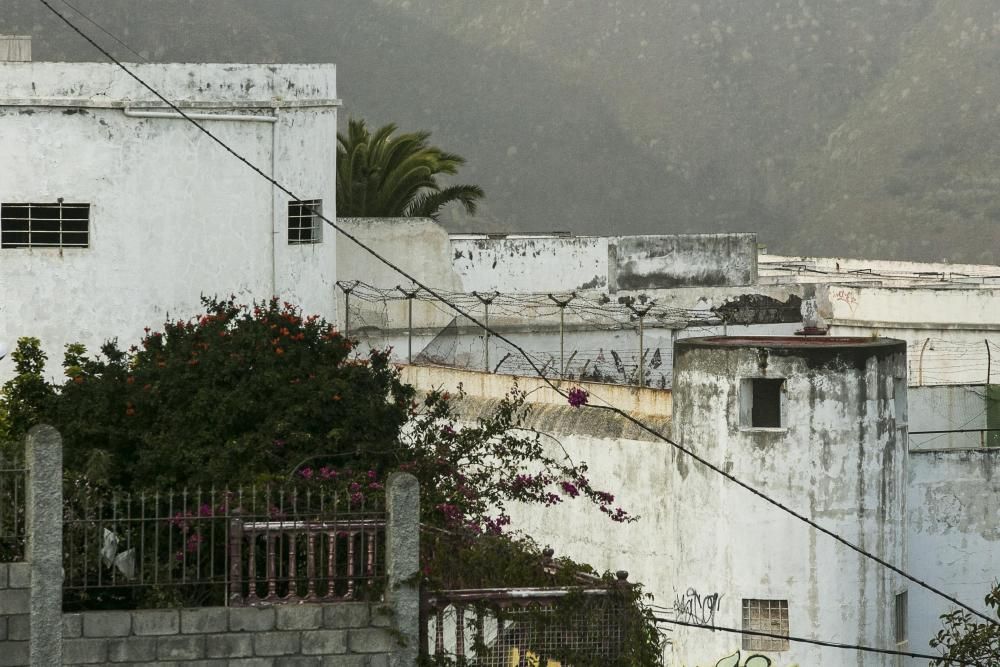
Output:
(14, 601)
(352, 634)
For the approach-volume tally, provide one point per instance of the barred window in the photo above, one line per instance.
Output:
(770, 616)
(47, 225)
(304, 222)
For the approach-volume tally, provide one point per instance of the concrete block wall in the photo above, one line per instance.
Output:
(352, 634)
(35, 631)
(14, 609)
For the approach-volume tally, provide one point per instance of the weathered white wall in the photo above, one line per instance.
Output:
(540, 264)
(659, 262)
(173, 216)
(780, 268)
(953, 333)
(838, 458)
(948, 407)
(419, 246)
(531, 264)
(953, 532)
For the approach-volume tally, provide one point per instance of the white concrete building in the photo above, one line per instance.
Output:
(115, 212)
(839, 454)
(817, 424)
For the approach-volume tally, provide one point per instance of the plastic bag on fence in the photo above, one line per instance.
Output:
(124, 561)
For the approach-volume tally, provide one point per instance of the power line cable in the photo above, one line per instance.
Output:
(105, 31)
(820, 642)
(519, 349)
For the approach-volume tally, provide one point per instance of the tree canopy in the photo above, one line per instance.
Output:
(383, 174)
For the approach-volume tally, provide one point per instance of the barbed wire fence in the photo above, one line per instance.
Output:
(607, 334)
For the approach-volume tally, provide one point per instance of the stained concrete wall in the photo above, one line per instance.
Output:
(952, 332)
(953, 533)
(560, 264)
(662, 262)
(733, 545)
(419, 246)
(173, 216)
(837, 457)
(942, 408)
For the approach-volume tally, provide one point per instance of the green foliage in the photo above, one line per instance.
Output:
(244, 395)
(26, 396)
(965, 639)
(236, 395)
(382, 175)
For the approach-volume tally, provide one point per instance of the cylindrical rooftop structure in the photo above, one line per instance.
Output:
(817, 424)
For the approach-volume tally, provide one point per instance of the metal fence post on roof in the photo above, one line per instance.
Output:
(561, 304)
(410, 295)
(44, 509)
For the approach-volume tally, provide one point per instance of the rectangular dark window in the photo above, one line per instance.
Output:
(769, 616)
(49, 225)
(304, 222)
(766, 410)
(760, 402)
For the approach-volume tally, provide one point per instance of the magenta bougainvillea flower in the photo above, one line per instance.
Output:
(577, 397)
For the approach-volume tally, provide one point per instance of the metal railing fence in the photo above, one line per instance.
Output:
(244, 547)
(13, 490)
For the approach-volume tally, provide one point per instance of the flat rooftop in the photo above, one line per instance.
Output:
(790, 341)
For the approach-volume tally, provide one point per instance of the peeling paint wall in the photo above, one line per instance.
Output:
(531, 264)
(837, 457)
(953, 532)
(173, 216)
(564, 264)
(419, 246)
(946, 328)
(959, 408)
(658, 262)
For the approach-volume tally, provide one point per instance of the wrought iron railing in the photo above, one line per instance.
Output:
(13, 488)
(195, 548)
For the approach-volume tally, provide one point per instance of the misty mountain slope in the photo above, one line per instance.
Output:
(550, 156)
(915, 168)
(848, 126)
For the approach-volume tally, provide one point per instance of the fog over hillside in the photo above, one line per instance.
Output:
(856, 127)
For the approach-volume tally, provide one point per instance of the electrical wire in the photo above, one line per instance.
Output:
(820, 642)
(105, 31)
(458, 309)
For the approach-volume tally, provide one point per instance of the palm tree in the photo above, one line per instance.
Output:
(384, 176)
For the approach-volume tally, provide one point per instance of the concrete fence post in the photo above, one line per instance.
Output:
(44, 509)
(403, 564)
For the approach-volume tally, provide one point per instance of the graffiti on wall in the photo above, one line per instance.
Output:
(845, 296)
(755, 660)
(691, 607)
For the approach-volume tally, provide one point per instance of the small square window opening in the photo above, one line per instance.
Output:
(760, 402)
(770, 616)
(305, 224)
(44, 225)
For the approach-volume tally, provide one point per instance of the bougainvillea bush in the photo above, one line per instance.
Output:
(263, 395)
(252, 394)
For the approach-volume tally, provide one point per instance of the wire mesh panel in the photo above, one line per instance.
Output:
(500, 627)
(196, 548)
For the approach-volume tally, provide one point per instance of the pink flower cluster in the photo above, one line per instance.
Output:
(577, 397)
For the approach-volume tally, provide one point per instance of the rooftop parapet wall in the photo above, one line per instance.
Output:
(564, 264)
(488, 386)
(187, 84)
